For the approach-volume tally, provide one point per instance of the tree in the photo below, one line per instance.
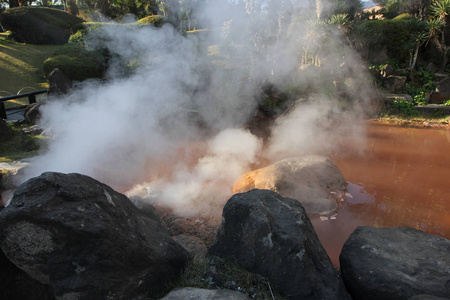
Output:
(440, 9)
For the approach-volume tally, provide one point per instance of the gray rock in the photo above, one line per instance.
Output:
(427, 297)
(388, 98)
(395, 263)
(395, 83)
(272, 236)
(6, 132)
(86, 240)
(204, 294)
(195, 246)
(312, 180)
(442, 91)
(15, 284)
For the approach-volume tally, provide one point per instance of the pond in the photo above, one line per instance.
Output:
(400, 178)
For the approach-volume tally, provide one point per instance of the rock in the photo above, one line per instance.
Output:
(395, 263)
(432, 68)
(203, 294)
(272, 236)
(86, 240)
(427, 297)
(59, 82)
(6, 132)
(434, 109)
(312, 180)
(394, 83)
(195, 246)
(442, 91)
(32, 130)
(15, 284)
(389, 98)
(32, 113)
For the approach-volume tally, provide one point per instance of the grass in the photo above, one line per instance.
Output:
(217, 273)
(21, 67)
(20, 146)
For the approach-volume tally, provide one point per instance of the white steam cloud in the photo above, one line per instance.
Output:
(136, 131)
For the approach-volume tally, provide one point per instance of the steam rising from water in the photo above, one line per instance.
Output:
(125, 131)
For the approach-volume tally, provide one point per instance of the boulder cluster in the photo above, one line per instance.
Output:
(68, 236)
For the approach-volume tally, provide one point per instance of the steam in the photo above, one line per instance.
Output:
(206, 186)
(164, 93)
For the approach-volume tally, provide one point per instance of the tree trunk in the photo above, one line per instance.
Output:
(444, 52)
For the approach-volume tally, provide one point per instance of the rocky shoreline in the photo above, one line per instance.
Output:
(68, 236)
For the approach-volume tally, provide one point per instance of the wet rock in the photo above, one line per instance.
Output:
(272, 236)
(86, 240)
(312, 180)
(6, 132)
(395, 263)
(15, 284)
(442, 91)
(204, 294)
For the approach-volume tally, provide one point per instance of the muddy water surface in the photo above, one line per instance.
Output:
(400, 178)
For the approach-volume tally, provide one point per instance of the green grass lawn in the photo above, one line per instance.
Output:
(21, 68)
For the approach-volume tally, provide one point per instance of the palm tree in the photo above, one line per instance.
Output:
(440, 9)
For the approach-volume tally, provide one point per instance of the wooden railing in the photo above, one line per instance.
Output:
(31, 99)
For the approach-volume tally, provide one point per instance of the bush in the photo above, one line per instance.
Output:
(40, 25)
(404, 107)
(391, 35)
(77, 63)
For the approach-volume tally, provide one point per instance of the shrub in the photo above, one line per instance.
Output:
(39, 25)
(77, 63)
(391, 35)
(404, 107)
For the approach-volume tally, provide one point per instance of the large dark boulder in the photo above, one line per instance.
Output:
(442, 91)
(272, 236)
(15, 284)
(311, 179)
(395, 263)
(86, 240)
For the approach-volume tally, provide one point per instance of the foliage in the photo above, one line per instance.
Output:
(39, 25)
(403, 16)
(155, 20)
(404, 107)
(447, 102)
(423, 86)
(20, 145)
(77, 63)
(391, 35)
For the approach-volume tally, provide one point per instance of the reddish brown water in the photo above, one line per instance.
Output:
(401, 178)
